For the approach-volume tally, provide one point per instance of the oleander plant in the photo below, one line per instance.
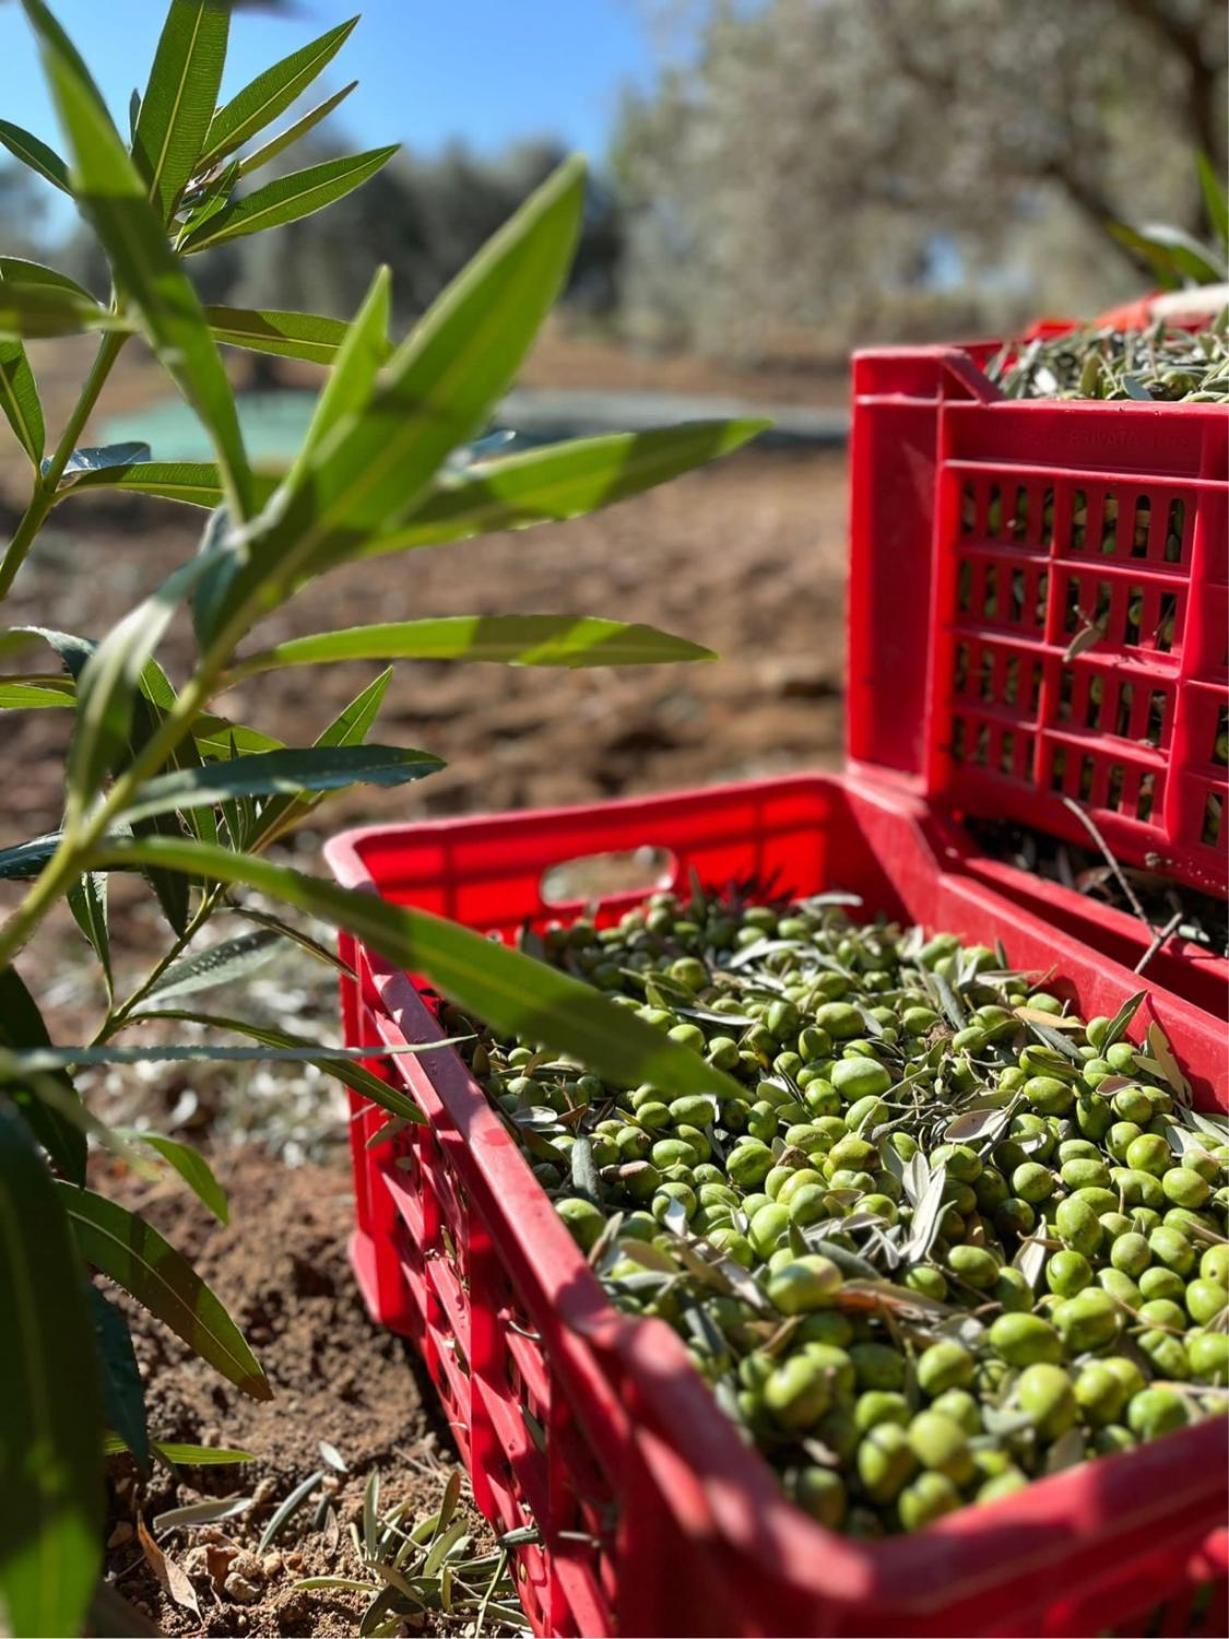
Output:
(156, 782)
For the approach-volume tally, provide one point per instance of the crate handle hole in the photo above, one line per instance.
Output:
(598, 876)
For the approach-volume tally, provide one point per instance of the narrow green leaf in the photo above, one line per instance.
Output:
(39, 310)
(1197, 263)
(287, 1508)
(200, 204)
(101, 457)
(220, 964)
(518, 640)
(289, 772)
(1215, 200)
(179, 1455)
(37, 1061)
(283, 1047)
(297, 936)
(353, 377)
(22, 271)
(87, 900)
(349, 728)
(20, 402)
(133, 1254)
(218, 737)
(27, 694)
(110, 679)
(191, 1166)
(19, 398)
(51, 1500)
(434, 395)
(557, 482)
(196, 483)
(514, 993)
(271, 93)
(289, 198)
(26, 859)
(21, 1026)
(112, 194)
(286, 335)
(1152, 256)
(287, 138)
(31, 151)
(123, 1393)
(179, 100)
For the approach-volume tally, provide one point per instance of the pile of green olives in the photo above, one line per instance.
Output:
(949, 1238)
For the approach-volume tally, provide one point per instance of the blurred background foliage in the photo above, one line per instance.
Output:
(800, 174)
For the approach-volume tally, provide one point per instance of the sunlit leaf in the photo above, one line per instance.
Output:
(131, 1252)
(289, 198)
(520, 640)
(40, 310)
(434, 395)
(191, 1166)
(559, 481)
(112, 194)
(196, 483)
(51, 1501)
(220, 964)
(35, 153)
(353, 376)
(292, 133)
(34, 694)
(288, 772)
(349, 728)
(305, 336)
(179, 101)
(271, 93)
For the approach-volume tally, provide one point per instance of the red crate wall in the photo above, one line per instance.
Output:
(985, 535)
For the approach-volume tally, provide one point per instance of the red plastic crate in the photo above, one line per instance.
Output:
(655, 1518)
(986, 534)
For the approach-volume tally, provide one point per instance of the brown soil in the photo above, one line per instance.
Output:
(282, 1271)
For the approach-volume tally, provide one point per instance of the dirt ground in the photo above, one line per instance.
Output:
(745, 558)
(335, 1376)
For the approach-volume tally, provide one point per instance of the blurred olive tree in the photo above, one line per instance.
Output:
(881, 167)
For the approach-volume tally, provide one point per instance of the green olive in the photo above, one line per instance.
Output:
(974, 1265)
(885, 1462)
(1044, 1392)
(876, 1406)
(807, 1283)
(1032, 1182)
(1025, 1339)
(1068, 1272)
(1100, 1394)
(821, 1494)
(928, 1498)
(1184, 1187)
(944, 1365)
(1204, 1301)
(878, 1366)
(1156, 1411)
(797, 1393)
(940, 1443)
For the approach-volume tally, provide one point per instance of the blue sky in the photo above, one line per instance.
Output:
(429, 70)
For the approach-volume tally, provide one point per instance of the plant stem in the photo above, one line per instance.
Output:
(118, 1017)
(43, 498)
